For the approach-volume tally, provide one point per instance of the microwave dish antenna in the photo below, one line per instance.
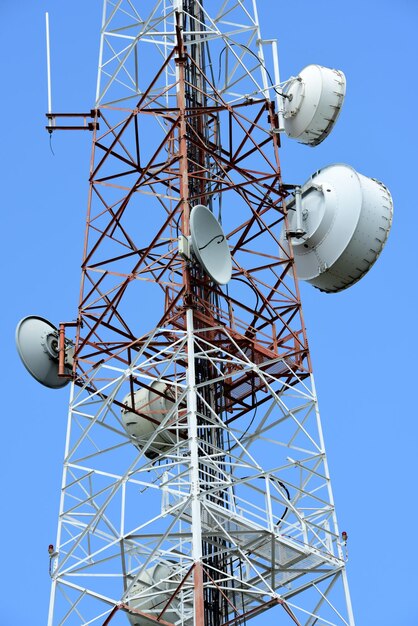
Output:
(209, 245)
(153, 589)
(313, 103)
(37, 343)
(346, 218)
(152, 406)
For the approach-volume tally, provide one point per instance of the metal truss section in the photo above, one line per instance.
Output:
(138, 210)
(137, 38)
(195, 489)
(263, 493)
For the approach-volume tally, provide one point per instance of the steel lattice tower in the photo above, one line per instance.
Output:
(233, 515)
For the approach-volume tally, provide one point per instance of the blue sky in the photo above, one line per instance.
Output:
(363, 341)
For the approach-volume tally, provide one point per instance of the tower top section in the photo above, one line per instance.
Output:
(223, 36)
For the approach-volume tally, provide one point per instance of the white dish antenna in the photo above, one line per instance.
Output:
(209, 245)
(339, 228)
(313, 103)
(37, 343)
(155, 406)
(159, 583)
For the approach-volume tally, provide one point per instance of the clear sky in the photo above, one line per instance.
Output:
(363, 341)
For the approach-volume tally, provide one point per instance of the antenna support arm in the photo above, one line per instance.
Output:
(87, 125)
(62, 345)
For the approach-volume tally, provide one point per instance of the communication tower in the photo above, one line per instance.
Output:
(195, 483)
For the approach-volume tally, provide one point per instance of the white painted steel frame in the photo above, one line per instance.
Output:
(239, 63)
(297, 560)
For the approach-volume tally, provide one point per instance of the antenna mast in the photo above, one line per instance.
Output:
(195, 483)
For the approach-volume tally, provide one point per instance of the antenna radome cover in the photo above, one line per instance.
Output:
(152, 404)
(313, 103)
(159, 582)
(347, 218)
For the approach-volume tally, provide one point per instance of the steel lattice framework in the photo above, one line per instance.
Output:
(236, 513)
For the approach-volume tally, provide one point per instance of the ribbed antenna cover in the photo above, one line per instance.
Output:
(152, 405)
(159, 583)
(313, 103)
(347, 218)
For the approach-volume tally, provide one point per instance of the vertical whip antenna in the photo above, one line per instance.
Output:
(48, 67)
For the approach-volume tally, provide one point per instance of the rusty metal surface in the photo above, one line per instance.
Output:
(274, 323)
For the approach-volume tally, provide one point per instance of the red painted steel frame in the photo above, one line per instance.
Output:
(242, 165)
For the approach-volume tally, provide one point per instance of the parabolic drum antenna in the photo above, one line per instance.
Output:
(142, 422)
(195, 488)
(345, 218)
(313, 103)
